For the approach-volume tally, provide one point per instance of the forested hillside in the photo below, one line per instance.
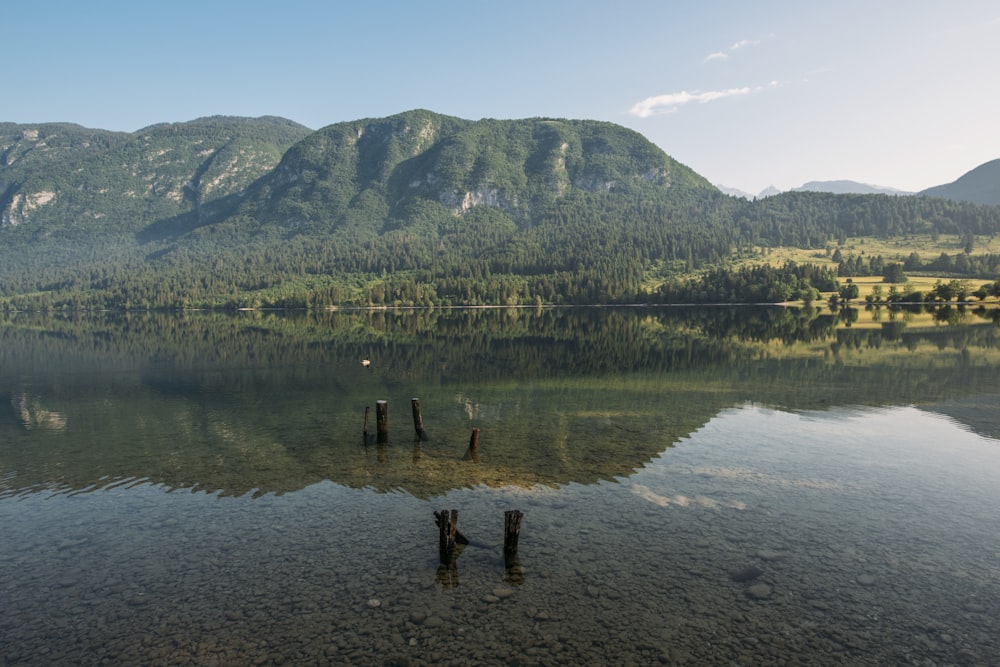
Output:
(68, 181)
(414, 209)
(980, 186)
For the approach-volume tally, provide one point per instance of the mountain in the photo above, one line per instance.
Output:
(734, 192)
(980, 186)
(848, 187)
(416, 208)
(833, 187)
(62, 177)
(769, 191)
(424, 164)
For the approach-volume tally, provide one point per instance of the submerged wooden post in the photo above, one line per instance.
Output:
(447, 522)
(511, 530)
(447, 574)
(472, 453)
(447, 527)
(513, 572)
(382, 420)
(418, 421)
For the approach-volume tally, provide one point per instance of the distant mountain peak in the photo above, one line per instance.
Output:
(769, 191)
(733, 192)
(846, 187)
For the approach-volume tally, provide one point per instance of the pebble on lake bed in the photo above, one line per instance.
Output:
(747, 573)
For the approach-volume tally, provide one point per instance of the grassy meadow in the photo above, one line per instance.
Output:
(928, 247)
(892, 250)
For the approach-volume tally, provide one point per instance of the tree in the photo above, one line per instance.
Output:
(893, 273)
(876, 295)
(962, 289)
(946, 291)
(848, 292)
(913, 262)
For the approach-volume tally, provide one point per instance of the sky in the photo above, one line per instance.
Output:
(895, 93)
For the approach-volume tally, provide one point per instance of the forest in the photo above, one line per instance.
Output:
(417, 209)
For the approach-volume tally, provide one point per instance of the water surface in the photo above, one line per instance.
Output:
(698, 487)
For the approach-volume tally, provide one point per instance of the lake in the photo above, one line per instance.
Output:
(744, 486)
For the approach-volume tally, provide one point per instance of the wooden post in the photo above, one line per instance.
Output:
(513, 572)
(382, 420)
(512, 530)
(472, 453)
(447, 527)
(447, 522)
(418, 421)
(447, 574)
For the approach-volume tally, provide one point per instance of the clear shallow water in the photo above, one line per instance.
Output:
(838, 535)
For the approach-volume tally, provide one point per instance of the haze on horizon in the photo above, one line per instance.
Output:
(750, 95)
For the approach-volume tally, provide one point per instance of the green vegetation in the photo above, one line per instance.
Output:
(752, 284)
(978, 185)
(421, 209)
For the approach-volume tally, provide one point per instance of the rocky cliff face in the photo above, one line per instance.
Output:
(21, 206)
(23, 144)
(60, 175)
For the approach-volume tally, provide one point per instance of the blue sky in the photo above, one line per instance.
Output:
(897, 93)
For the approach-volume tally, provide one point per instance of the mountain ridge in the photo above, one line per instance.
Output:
(55, 172)
(418, 208)
(844, 187)
(423, 158)
(980, 186)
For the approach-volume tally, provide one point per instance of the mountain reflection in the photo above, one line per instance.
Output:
(271, 402)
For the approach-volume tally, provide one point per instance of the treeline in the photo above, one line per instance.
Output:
(589, 248)
(942, 291)
(985, 266)
(810, 219)
(960, 264)
(861, 265)
(752, 284)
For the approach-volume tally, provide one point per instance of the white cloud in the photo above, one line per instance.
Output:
(722, 55)
(671, 102)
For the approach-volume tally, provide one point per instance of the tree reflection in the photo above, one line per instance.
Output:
(271, 402)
